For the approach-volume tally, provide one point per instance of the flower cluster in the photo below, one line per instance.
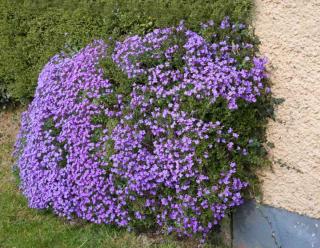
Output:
(142, 155)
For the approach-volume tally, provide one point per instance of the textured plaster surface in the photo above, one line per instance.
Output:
(289, 31)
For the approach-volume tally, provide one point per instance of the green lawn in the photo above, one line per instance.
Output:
(23, 227)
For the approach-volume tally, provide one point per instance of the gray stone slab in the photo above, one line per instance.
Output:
(261, 226)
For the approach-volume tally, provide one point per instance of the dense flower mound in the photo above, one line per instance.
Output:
(124, 145)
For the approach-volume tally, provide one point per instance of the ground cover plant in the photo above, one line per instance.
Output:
(160, 130)
(34, 31)
(21, 226)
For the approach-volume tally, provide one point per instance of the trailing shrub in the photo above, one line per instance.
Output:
(32, 31)
(149, 132)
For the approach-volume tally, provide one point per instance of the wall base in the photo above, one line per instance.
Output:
(261, 226)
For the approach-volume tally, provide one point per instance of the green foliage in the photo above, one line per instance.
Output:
(249, 120)
(33, 31)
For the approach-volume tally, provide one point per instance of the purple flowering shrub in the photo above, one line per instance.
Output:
(126, 132)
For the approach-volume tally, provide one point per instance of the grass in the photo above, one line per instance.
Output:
(22, 227)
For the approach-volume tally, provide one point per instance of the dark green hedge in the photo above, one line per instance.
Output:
(33, 31)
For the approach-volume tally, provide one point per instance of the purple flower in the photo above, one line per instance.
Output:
(136, 159)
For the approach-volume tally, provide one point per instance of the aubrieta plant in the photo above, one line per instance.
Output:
(126, 132)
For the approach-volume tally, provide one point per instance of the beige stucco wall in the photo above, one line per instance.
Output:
(289, 31)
